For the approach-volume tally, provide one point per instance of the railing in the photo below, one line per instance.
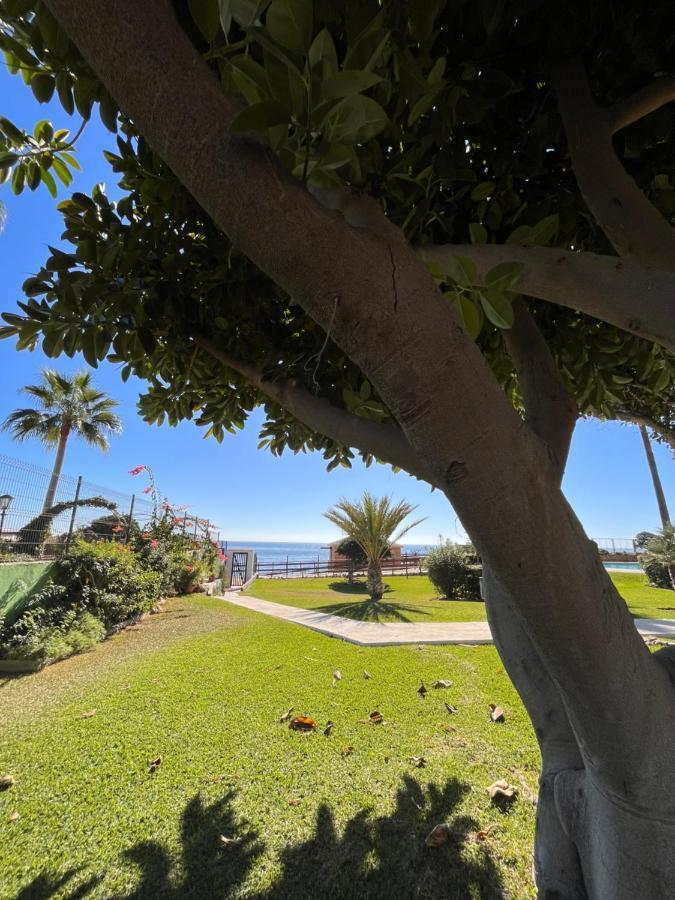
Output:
(616, 546)
(316, 568)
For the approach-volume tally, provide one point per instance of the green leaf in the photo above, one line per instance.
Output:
(346, 83)
(545, 230)
(469, 315)
(357, 119)
(206, 16)
(461, 270)
(42, 86)
(504, 275)
(11, 131)
(62, 171)
(521, 235)
(48, 180)
(65, 92)
(289, 23)
(483, 190)
(260, 116)
(478, 233)
(250, 77)
(498, 308)
(323, 50)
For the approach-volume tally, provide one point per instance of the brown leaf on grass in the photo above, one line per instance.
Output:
(483, 834)
(376, 718)
(346, 751)
(6, 781)
(329, 727)
(15, 816)
(302, 723)
(419, 761)
(438, 835)
(155, 764)
(286, 716)
(366, 675)
(501, 792)
(497, 713)
(295, 801)
(87, 715)
(441, 683)
(421, 690)
(450, 708)
(226, 841)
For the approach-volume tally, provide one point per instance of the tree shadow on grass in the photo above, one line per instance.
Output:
(210, 867)
(47, 885)
(372, 611)
(386, 857)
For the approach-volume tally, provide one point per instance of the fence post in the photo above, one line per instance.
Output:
(131, 513)
(74, 512)
(287, 566)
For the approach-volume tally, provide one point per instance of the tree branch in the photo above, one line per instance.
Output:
(668, 434)
(637, 229)
(550, 410)
(636, 299)
(386, 442)
(648, 99)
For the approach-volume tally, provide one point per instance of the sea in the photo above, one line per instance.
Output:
(269, 551)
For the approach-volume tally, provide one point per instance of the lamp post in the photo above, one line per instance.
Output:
(5, 501)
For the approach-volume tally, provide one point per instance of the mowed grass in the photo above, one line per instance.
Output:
(203, 685)
(415, 599)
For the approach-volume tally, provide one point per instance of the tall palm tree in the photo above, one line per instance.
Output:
(67, 405)
(371, 522)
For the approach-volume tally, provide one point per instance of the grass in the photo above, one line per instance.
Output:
(203, 684)
(415, 599)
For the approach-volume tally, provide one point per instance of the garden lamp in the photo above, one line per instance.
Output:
(5, 501)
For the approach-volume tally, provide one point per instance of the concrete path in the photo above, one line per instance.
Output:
(383, 634)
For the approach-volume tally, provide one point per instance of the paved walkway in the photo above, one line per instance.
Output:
(383, 634)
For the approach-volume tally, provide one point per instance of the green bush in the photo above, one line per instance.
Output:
(656, 573)
(454, 571)
(50, 633)
(107, 579)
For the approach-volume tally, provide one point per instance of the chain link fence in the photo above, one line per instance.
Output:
(39, 519)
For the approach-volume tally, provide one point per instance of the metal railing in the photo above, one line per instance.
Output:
(316, 568)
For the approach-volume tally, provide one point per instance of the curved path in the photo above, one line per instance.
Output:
(383, 634)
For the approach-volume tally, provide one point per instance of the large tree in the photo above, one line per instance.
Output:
(433, 233)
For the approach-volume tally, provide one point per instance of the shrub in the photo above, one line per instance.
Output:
(50, 633)
(656, 573)
(454, 571)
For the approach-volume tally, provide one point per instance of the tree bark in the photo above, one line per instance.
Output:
(389, 317)
(656, 478)
(56, 471)
(374, 579)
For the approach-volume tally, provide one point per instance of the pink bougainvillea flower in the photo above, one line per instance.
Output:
(166, 505)
(189, 568)
(117, 528)
(154, 544)
(147, 490)
(137, 470)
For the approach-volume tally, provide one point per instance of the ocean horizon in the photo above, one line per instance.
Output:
(301, 551)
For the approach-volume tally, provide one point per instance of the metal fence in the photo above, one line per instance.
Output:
(33, 524)
(403, 565)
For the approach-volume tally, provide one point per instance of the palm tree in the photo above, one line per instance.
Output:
(371, 522)
(67, 405)
(660, 548)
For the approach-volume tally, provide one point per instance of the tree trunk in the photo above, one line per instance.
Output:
(375, 584)
(671, 573)
(656, 478)
(56, 471)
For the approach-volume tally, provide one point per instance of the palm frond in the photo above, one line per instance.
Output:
(372, 522)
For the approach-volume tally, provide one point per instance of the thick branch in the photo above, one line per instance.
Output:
(635, 299)
(637, 229)
(550, 410)
(647, 100)
(391, 320)
(668, 434)
(386, 442)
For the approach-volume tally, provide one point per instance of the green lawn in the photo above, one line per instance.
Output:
(203, 684)
(414, 599)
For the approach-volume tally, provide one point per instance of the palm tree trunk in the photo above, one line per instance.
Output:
(658, 487)
(374, 582)
(671, 574)
(56, 471)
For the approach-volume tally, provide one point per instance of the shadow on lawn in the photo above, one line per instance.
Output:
(367, 610)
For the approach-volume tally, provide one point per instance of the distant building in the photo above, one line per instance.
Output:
(334, 556)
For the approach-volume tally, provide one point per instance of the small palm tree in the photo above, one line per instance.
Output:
(67, 405)
(660, 548)
(371, 522)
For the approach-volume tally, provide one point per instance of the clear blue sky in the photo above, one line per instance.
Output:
(249, 493)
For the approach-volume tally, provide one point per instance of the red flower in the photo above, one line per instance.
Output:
(147, 490)
(154, 544)
(117, 528)
(137, 470)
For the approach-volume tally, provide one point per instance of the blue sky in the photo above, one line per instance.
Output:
(249, 493)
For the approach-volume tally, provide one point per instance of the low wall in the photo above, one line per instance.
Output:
(18, 580)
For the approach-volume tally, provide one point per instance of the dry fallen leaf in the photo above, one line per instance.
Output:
(295, 801)
(441, 683)
(418, 761)
(376, 718)
(450, 708)
(6, 781)
(421, 690)
(481, 835)
(87, 715)
(329, 727)
(155, 764)
(497, 713)
(302, 723)
(438, 835)
(501, 792)
(346, 751)
(286, 716)
(226, 841)
(366, 675)
(16, 815)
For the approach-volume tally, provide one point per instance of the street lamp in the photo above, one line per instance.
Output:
(5, 501)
